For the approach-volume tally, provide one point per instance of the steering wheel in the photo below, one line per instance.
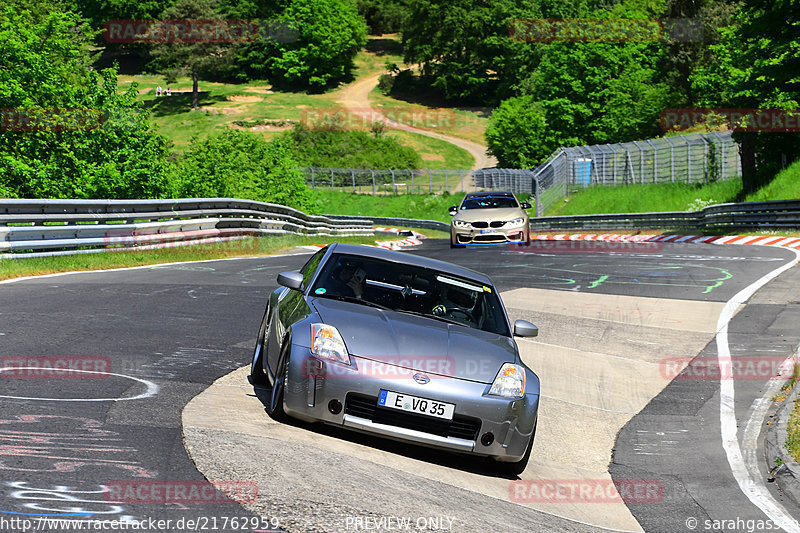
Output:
(441, 310)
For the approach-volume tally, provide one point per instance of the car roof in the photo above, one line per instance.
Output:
(410, 259)
(489, 193)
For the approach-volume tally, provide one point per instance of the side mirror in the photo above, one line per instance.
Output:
(523, 328)
(525, 205)
(453, 210)
(293, 280)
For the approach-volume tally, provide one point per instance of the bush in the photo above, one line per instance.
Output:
(89, 141)
(350, 149)
(240, 164)
(516, 133)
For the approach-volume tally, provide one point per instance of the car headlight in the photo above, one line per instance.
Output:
(327, 343)
(461, 224)
(516, 222)
(510, 382)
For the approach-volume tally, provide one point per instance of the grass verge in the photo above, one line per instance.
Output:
(674, 196)
(646, 198)
(419, 206)
(248, 247)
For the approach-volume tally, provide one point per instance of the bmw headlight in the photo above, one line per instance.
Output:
(461, 224)
(516, 222)
(510, 382)
(327, 343)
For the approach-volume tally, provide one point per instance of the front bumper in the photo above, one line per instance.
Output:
(488, 235)
(482, 425)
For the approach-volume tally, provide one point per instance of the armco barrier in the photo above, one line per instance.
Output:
(63, 226)
(775, 215)
(405, 222)
(66, 225)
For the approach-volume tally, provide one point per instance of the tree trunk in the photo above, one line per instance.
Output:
(195, 81)
(748, 155)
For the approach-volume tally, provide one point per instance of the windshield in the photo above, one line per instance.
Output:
(489, 202)
(414, 290)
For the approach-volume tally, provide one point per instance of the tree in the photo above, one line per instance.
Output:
(596, 93)
(518, 135)
(334, 147)
(66, 131)
(240, 164)
(384, 16)
(191, 53)
(756, 66)
(464, 47)
(329, 34)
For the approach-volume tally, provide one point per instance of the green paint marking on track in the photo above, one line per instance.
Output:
(597, 282)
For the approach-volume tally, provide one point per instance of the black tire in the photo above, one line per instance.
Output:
(515, 469)
(257, 374)
(275, 409)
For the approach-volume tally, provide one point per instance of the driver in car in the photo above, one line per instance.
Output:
(453, 300)
(353, 277)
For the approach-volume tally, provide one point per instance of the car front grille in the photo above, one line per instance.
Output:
(461, 427)
(493, 224)
(489, 238)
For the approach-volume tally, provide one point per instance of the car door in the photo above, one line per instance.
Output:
(292, 307)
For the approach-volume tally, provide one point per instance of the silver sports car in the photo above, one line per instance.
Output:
(401, 346)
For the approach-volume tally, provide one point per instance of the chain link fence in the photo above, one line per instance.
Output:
(392, 181)
(694, 158)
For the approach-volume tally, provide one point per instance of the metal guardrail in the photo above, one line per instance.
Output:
(406, 222)
(79, 226)
(67, 225)
(782, 214)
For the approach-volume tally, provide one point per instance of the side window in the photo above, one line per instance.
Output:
(310, 268)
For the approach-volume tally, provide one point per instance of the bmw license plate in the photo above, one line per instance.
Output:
(415, 404)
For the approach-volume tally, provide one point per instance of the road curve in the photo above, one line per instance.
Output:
(605, 317)
(355, 97)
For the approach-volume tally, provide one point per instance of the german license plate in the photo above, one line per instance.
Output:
(415, 404)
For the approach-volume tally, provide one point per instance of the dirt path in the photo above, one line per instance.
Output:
(355, 97)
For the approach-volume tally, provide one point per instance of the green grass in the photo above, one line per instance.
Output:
(452, 121)
(435, 153)
(419, 206)
(34, 266)
(785, 186)
(646, 198)
(223, 103)
(674, 196)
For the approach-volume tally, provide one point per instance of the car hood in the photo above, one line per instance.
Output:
(424, 344)
(471, 215)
